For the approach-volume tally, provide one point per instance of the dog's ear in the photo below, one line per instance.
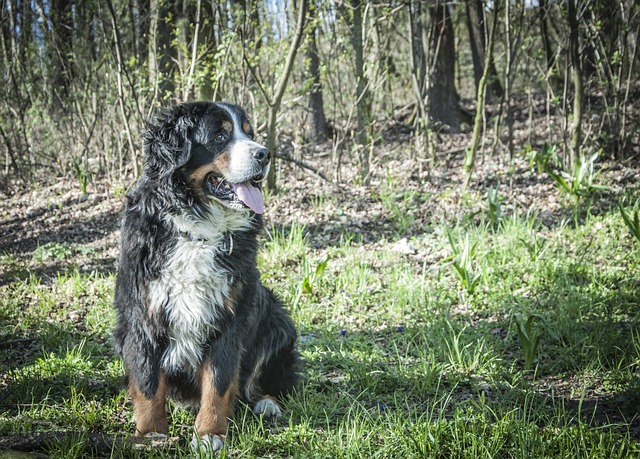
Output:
(185, 154)
(167, 141)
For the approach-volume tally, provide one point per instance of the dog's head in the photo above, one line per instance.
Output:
(210, 148)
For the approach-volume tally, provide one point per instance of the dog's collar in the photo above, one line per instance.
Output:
(227, 241)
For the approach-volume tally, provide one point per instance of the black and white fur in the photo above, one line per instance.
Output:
(194, 322)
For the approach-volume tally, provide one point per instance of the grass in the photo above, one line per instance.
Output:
(497, 337)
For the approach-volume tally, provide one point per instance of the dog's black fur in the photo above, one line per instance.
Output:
(184, 215)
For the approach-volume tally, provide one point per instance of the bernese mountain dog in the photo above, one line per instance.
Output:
(194, 322)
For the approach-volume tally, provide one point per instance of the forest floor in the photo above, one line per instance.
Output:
(551, 281)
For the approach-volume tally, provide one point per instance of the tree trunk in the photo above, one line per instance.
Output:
(508, 76)
(160, 50)
(318, 126)
(121, 91)
(85, 32)
(470, 156)
(476, 22)
(26, 32)
(184, 17)
(475, 26)
(190, 89)
(247, 17)
(142, 29)
(274, 103)
(363, 102)
(206, 88)
(578, 88)
(419, 45)
(418, 29)
(10, 34)
(543, 10)
(60, 51)
(443, 97)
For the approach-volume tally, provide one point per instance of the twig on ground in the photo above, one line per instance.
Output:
(303, 165)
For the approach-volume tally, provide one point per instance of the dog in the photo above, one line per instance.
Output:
(194, 322)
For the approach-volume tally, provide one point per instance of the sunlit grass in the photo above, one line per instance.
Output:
(402, 357)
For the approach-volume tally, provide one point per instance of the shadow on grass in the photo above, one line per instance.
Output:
(360, 369)
(46, 366)
(61, 235)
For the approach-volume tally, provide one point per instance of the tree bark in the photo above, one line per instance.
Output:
(419, 39)
(578, 87)
(470, 156)
(142, 29)
(476, 23)
(60, 51)
(318, 127)
(250, 24)
(206, 88)
(419, 43)
(443, 97)
(543, 10)
(363, 102)
(190, 88)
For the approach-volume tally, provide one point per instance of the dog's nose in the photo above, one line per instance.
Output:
(262, 155)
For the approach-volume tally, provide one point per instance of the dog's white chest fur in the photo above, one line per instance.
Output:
(192, 289)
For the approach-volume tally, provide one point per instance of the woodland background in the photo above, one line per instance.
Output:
(79, 78)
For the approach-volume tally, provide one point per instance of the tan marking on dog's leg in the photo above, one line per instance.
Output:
(215, 408)
(150, 414)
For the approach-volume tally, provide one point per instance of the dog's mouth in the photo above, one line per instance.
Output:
(245, 195)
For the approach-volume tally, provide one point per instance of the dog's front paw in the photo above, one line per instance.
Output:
(207, 443)
(268, 408)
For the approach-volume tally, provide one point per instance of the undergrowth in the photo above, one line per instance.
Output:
(493, 336)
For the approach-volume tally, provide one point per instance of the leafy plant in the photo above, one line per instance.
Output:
(56, 250)
(82, 175)
(400, 204)
(462, 261)
(495, 203)
(535, 247)
(542, 158)
(73, 444)
(632, 221)
(310, 279)
(579, 183)
(529, 338)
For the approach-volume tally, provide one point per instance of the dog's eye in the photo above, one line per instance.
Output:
(221, 137)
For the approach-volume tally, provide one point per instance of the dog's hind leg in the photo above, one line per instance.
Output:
(150, 413)
(267, 407)
(275, 379)
(273, 372)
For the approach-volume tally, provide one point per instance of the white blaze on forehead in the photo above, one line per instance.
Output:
(242, 165)
(238, 133)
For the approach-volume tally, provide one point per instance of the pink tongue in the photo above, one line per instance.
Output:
(250, 195)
